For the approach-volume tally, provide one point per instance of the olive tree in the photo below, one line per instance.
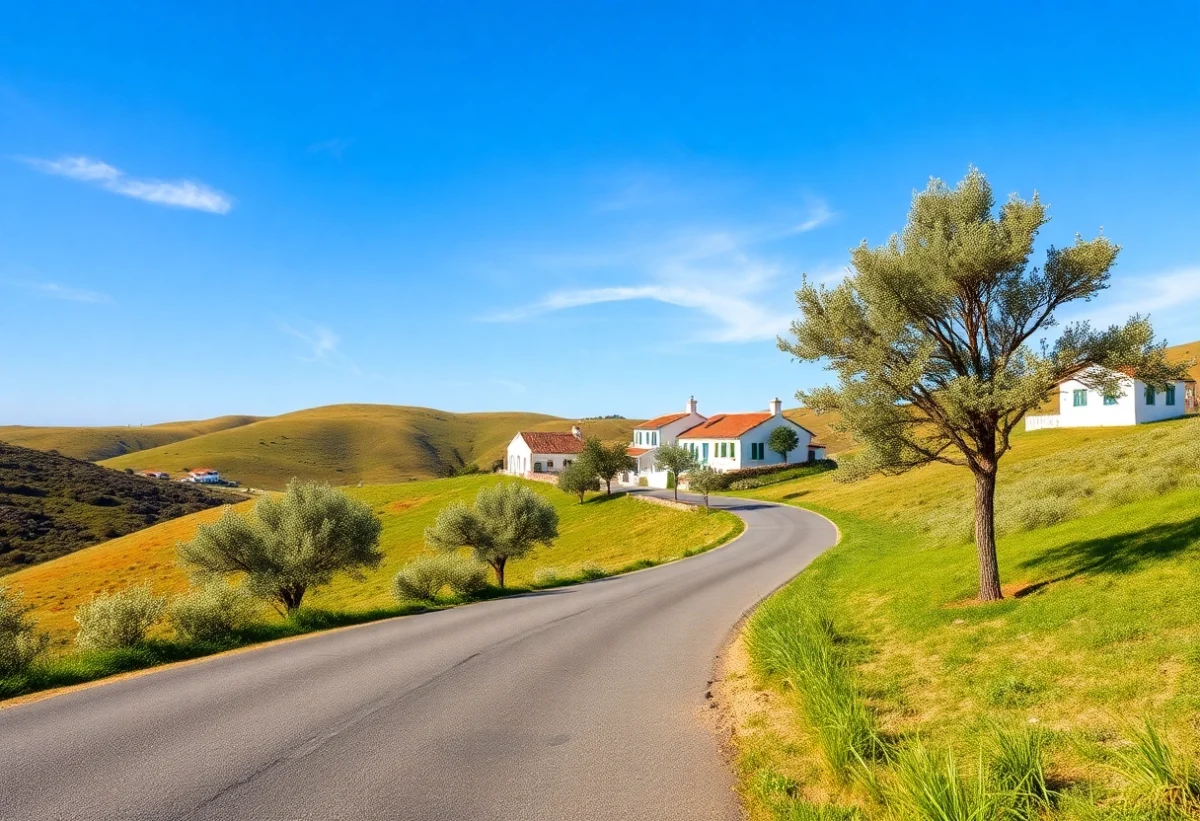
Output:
(704, 480)
(605, 461)
(20, 640)
(290, 544)
(506, 522)
(783, 440)
(577, 480)
(676, 459)
(934, 339)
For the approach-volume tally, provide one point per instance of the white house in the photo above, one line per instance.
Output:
(1082, 407)
(724, 442)
(204, 476)
(543, 451)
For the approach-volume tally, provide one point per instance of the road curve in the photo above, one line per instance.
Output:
(577, 703)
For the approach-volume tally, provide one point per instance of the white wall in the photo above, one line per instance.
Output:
(520, 458)
(761, 433)
(1160, 409)
(1129, 408)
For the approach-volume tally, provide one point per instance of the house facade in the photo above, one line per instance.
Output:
(535, 452)
(204, 476)
(724, 441)
(1082, 407)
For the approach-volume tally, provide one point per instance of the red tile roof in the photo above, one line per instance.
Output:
(637, 451)
(658, 421)
(725, 426)
(551, 442)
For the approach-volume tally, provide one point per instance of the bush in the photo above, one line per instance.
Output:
(546, 577)
(20, 642)
(590, 571)
(799, 469)
(212, 611)
(112, 621)
(423, 578)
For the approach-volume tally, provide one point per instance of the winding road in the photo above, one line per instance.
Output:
(578, 703)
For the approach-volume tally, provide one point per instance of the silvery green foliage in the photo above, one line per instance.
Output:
(507, 521)
(704, 480)
(111, 621)
(212, 611)
(783, 440)
(605, 461)
(424, 577)
(20, 641)
(677, 459)
(578, 479)
(291, 543)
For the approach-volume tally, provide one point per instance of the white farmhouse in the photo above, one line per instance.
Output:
(543, 451)
(204, 476)
(724, 442)
(1083, 407)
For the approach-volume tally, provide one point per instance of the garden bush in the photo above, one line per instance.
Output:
(112, 621)
(212, 611)
(20, 641)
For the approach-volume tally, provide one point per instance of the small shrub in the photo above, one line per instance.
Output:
(1162, 777)
(1018, 766)
(111, 621)
(928, 785)
(423, 578)
(590, 571)
(546, 577)
(212, 612)
(20, 641)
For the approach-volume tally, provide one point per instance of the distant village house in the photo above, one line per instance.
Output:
(1083, 407)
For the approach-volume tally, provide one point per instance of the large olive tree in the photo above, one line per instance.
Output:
(507, 521)
(677, 460)
(289, 544)
(932, 336)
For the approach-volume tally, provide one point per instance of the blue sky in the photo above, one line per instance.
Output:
(571, 208)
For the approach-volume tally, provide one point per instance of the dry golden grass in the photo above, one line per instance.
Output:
(94, 444)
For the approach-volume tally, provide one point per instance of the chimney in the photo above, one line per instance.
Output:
(690, 407)
(776, 406)
(576, 432)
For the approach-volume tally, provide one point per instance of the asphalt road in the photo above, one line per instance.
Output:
(579, 703)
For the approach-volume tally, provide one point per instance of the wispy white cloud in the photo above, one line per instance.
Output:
(335, 147)
(174, 193)
(322, 344)
(513, 387)
(1170, 298)
(819, 213)
(65, 292)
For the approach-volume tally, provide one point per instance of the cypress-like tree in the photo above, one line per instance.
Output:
(934, 338)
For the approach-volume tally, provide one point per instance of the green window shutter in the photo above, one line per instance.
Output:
(1080, 398)
(1149, 395)
(1170, 394)
(733, 450)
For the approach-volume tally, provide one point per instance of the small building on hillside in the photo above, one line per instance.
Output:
(203, 476)
(156, 474)
(724, 441)
(1082, 407)
(532, 452)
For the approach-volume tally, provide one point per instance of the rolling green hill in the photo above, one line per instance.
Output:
(348, 444)
(1099, 546)
(94, 444)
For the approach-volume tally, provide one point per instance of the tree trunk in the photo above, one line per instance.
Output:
(985, 535)
(675, 485)
(291, 598)
(608, 487)
(498, 566)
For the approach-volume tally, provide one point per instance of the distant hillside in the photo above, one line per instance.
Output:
(94, 444)
(347, 444)
(51, 505)
(821, 425)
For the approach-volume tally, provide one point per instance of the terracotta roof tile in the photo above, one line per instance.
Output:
(637, 451)
(725, 426)
(552, 442)
(659, 421)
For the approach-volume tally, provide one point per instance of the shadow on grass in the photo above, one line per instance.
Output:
(603, 497)
(1120, 553)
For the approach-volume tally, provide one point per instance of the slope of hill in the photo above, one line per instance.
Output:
(51, 505)
(348, 444)
(94, 444)
(610, 533)
(1099, 543)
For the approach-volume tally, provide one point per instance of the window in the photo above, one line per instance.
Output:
(704, 452)
(1080, 398)
(549, 464)
(654, 438)
(756, 451)
(1110, 399)
(1170, 394)
(722, 453)
(1149, 395)
(568, 462)
(733, 450)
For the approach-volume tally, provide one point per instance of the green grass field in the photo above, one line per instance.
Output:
(610, 532)
(94, 444)
(348, 444)
(1100, 558)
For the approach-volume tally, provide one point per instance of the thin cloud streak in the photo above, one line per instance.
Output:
(819, 214)
(65, 292)
(188, 194)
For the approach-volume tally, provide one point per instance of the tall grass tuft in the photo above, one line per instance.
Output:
(1164, 780)
(929, 787)
(793, 640)
(1018, 767)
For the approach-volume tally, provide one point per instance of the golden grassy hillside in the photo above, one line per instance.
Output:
(610, 532)
(348, 444)
(94, 444)
(821, 425)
